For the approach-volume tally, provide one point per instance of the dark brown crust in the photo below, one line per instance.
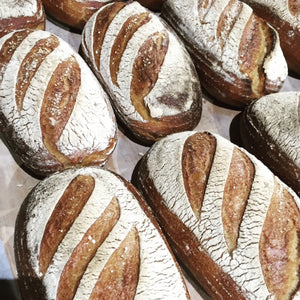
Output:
(199, 150)
(154, 5)
(279, 243)
(85, 251)
(258, 142)
(233, 91)
(184, 243)
(289, 34)
(72, 13)
(63, 216)
(119, 277)
(36, 22)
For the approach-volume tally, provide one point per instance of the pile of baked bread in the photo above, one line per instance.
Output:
(227, 211)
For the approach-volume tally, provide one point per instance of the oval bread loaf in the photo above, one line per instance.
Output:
(53, 112)
(147, 72)
(284, 16)
(238, 54)
(270, 129)
(73, 13)
(88, 234)
(232, 223)
(21, 14)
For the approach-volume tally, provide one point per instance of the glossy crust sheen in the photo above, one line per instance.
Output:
(150, 77)
(270, 130)
(101, 237)
(242, 241)
(237, 54)
(21, 14)
(53, 113)
(73, 13)
(284, 16)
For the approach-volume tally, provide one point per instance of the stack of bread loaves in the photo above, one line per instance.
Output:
(154, 70)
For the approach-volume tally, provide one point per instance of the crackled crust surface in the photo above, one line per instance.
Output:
(54, 114)
(112, 231)
(237, 251)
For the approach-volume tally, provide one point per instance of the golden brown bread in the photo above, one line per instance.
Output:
(73, 13)
(270, 129)
(284, 16)
(149, 75)
(53, 112)
(88, 234)
(237, 54)
(241, 241)
(21, 14)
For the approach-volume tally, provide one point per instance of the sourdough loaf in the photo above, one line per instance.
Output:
(284, 16)
(73, 13)
(238, 54)
(88, 234)
(149, 75)
(53, 112)
(232, 223)
(21, 14)
(270, 129)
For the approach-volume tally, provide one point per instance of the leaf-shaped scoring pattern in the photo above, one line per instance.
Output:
(58, 104)
(85, 251)
(119, 278)
(30, 65)
(63, 216)
(146, 68)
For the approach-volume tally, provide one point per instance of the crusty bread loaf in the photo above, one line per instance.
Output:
(21, 14)
(238, 54)
(284, 16)
(73, 13)
(270, 129)
(154, 5)
(231, 222)
(149, 75)
(53, 112)
(88, 234)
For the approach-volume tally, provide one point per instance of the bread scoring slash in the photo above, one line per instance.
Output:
(53, 112)
(88, 234)
(146, 70)
(233, 224)
(238, 54)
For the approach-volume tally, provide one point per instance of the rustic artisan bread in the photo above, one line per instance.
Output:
(53, 112)
(284, 16)
(21, 14)
(73, 13)
(238, 54)
(88, 234)
(231, 222)
(154, 5)
(149, 75)
(270, 129)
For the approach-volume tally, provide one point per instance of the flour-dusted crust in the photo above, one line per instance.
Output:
(270, 129)
(284, 16)
(240, 238)
(21, 14)
(73, 13)
(89, 234)
(238, 54)
(149, 75)
(53, 112)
